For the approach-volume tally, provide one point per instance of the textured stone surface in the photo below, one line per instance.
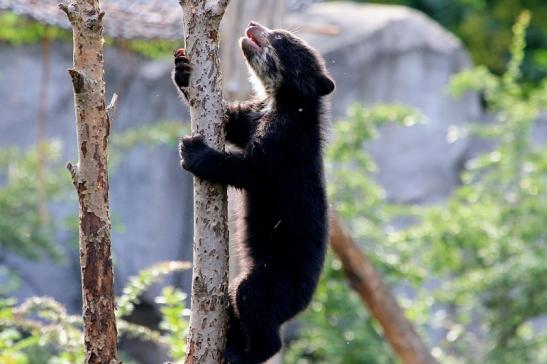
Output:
(151, 197)
(395, 54)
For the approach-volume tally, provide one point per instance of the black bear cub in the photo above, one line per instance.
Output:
(278, 165)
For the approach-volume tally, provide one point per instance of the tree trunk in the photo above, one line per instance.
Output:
(375, 294)
(90, 177)
(207, 332)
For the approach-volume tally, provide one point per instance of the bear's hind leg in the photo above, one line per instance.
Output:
(256, 299)
(264, 342)
(235, 337)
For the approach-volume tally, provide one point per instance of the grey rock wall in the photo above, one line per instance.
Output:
(150, 196)
(375, 53)
(396, 54)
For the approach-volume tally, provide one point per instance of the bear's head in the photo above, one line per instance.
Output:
(285, 63)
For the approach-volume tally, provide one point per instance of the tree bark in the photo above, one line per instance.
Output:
(90, 177)
(207, 332)
(375, 294)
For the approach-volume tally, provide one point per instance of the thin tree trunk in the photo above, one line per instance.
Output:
(41, 134)
(207, 332)
(90, 177)
(375, 294)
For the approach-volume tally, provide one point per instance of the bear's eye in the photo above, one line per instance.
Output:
(278, 36)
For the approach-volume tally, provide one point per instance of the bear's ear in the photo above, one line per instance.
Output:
(325, 85)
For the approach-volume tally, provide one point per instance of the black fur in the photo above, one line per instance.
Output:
(279, 167)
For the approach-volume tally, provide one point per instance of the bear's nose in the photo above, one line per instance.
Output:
(253, 23)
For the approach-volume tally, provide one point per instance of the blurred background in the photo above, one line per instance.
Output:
(436, 164)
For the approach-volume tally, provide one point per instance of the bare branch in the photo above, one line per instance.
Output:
(70, 11)
(64, 8)
(78, 80)
(73, 169)
(90, 177)
(216, 8)
(375, 294)
(111, 108)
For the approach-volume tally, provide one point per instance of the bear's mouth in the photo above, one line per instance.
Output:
(255, 40)
(252, 37)
(256, 35)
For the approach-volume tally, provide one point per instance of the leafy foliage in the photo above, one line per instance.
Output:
(42, 325)
(21, 229)
(175, 328)
(156, 48)
(166, 132)
(336, 328)
(476, 262)
(39, 330)
(138, 284)
(18, 30)
(488, 241)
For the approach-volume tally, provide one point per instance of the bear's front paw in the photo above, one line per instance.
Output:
(191, 149)
(183, 69)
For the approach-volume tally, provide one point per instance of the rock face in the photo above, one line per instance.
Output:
(375, 54)
(150, 196)
(396, 54)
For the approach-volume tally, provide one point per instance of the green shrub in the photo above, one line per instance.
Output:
(40, 331)
(482, 251)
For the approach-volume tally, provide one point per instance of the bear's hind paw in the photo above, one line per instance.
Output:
(237, 356)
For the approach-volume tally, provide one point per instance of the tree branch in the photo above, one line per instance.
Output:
(73, 170)
(216, 8)
(375, 294)
(78, 80)
(111, 108)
